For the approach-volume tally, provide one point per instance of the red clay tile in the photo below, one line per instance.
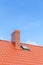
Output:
(9, 55)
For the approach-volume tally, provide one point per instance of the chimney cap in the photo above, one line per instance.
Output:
(15, 31)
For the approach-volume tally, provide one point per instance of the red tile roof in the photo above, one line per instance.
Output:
(9, 55)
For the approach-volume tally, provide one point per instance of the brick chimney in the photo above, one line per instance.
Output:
(16, 38)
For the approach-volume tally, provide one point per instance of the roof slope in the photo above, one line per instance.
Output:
(9, 55)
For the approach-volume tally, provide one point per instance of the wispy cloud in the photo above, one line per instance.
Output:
(32, 42)
(2, 38)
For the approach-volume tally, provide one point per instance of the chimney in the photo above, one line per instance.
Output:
(16, 38)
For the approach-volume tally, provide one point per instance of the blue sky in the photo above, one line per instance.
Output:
(24, 15)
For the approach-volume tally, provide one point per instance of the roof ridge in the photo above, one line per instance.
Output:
(24, 43)
(5, 40)
(32, 45)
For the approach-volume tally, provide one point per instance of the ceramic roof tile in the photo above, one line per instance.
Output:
(9, 55)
